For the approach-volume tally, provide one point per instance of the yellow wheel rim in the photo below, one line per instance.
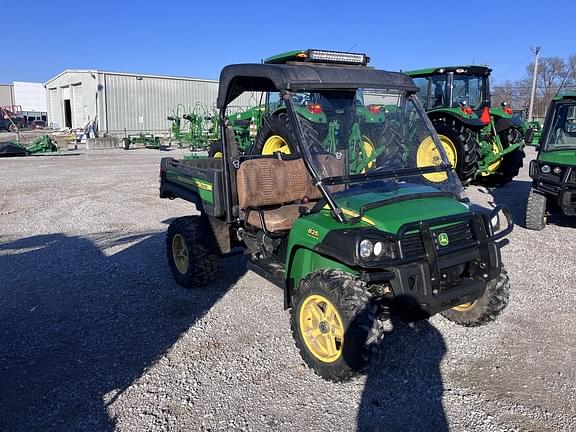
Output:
(494, 166)
(464, 307)
(429, 155)
(368, 148)
(274, 144)
(321, 328)
(218, 155)
(180, 253)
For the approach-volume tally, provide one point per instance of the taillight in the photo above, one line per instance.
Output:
(467, 110)
(374, 109)
(314, 108)
(506, 108)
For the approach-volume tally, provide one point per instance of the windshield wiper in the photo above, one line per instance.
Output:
(384, 174)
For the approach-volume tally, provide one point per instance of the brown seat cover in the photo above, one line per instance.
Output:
(268, 182)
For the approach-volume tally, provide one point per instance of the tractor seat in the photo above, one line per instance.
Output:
(276, 189)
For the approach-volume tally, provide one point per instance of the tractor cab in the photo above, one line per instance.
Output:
(453, 86)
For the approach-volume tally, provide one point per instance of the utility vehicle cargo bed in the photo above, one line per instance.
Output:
(198, 181)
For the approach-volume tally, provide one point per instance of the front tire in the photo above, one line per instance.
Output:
(484, 309)
(190, 251)
(215, 150)
(536, 211)
(334, 323)
(456, 137)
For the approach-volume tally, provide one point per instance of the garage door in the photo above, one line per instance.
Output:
(78, 107)
(54, 116)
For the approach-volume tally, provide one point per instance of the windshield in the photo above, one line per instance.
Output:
(562, 133)
(469, 89)
(373, 138)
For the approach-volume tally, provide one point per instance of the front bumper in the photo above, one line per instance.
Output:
(561, 188)
(430, 278)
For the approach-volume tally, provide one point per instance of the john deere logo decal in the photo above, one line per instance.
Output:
(443, 239)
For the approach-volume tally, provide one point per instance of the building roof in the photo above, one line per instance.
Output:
(95, 71)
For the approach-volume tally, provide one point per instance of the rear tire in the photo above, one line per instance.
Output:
(279, 125)
(486, 308)
(535, 211)
(351, 325)
(465, 144)
(190, 251)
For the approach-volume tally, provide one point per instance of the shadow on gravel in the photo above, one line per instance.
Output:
(513, 195)
(82, 318)
(404, 388)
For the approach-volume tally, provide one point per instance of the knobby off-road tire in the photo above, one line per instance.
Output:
(279, 125)
(511, 163)
(535, 211)
(486, 308)
(191, 251)
(356, 317)
(465, 145)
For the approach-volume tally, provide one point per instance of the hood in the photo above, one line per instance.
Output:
(566, 157)
(390, 217)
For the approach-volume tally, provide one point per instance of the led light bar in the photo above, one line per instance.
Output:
(339, 57)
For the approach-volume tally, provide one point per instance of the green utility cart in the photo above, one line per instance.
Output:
(352, 239)
(554, 170)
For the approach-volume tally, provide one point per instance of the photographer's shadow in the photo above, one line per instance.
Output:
(404, 388)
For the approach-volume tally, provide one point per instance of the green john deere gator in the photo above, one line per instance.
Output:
(480, 141)
(349, 249)
(554, 170)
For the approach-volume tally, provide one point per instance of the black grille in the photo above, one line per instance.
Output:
(572, 176)
(458, 235)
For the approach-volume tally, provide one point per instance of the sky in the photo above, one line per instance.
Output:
(197, 38)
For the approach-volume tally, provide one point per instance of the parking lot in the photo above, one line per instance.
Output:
(96, 335)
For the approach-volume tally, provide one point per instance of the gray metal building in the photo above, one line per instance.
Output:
(122, 101)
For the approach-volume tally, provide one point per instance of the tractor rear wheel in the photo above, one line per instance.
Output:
(460, 147)
(191, 251)
(536, 211)
(484, 309)
(276, 135)
(335, 324)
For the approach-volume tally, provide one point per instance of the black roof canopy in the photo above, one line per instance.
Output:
(236, 79)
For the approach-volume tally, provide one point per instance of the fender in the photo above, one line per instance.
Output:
(303, 261)
(473, 123)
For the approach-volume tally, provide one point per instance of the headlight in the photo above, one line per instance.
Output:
(545, 169)
(366, 248)
(372, 249)
(557, 170)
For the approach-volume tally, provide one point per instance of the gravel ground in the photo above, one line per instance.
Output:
(95, 335)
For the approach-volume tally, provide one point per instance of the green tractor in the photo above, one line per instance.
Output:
(349, 249)
(554, 170)
(481, 142)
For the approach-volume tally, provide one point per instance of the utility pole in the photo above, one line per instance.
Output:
(536, 52)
